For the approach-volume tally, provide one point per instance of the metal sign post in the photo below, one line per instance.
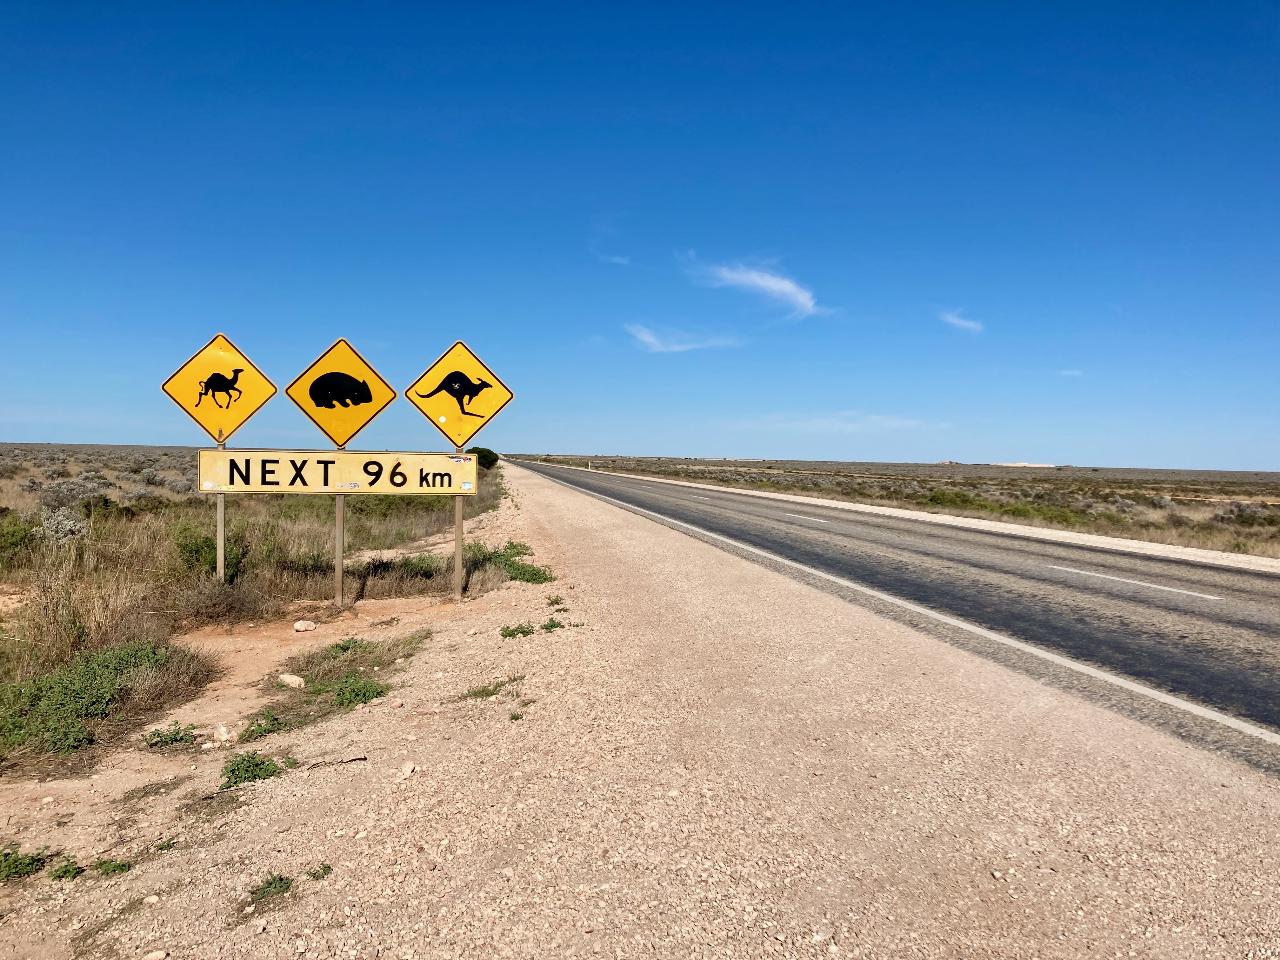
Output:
(457, 542)
(339, 542)
(222, 531)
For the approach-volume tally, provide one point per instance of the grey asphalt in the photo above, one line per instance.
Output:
(1216, 643)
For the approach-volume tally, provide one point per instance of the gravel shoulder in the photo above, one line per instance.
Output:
(712, 760)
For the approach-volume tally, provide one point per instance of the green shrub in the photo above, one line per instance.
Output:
(170, 736)
(266, 722)
(320, 872)
(551, 624)
(68, 869)
(109, 868)
(485, 458)
(959, 499)
(51, 712)
(509, 559)
(517, 630)
(17, 536)
(274, 886)
(352, 688)
(246, 768)
(14, 865)
(198, 552)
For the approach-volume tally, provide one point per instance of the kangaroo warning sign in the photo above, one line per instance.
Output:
(336, 471)
(219, 388)
(459, 394)
(341, 393)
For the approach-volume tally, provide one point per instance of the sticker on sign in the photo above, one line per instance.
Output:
(336, 471)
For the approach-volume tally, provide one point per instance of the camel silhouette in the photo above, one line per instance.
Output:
(217, 384)
(462, 388)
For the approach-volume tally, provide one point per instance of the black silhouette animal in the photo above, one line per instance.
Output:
(217, 384)
(462, 388)
(339, 388)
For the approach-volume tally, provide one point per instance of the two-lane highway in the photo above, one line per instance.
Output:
(1205, 633)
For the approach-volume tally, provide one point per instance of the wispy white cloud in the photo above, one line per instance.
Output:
(764, 282)
(957, 319)
(612, 258)
(838, 422)
(1071, 373)
(674, 341)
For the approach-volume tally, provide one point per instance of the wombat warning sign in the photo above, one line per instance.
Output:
(341, 393)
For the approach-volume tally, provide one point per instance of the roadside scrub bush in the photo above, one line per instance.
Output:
(67, 869)
(508, 559)
(486, 459)
(14, 864)
(248, 767)
(170, 736)
(60, 711)
(274, 886)
(263, 724)
(517, 630)
(110, 868)
(17, 537)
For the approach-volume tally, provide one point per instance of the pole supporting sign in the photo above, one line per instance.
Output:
(337, 471)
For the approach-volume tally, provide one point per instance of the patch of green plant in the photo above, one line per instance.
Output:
(508, 558)
(347, 644)
(109, 868)
(198, 551)
(274, 886)
(517, 630)
(170, 736)
(67, 869)
(555, 600)
(52, 712)
(14, 864)
(17, 537)
(551, 624)
(320, 872)
(352, 688)
(515, 715)
(486, 459)
(264, 723)
(487, 690)
(246, 768)
(167, 844)
(289, 763)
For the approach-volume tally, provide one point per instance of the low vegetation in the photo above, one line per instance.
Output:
(487, 690)
(113, 555)
(320, 872)
(66, 869)
(175, 734)
(14, 864)
(109, 868)
(1235, 511)
(516, 630)
(275, 885)
(248, 767)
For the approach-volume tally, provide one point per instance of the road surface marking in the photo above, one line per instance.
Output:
(1140, 583)
(1168, 699)
(696, 497)
(801, 516)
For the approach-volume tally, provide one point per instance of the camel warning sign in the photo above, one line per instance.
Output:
(341, 393)
(459, 394)
(219, 388)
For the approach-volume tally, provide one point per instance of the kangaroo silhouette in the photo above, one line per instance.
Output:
(462, 388)
(216, 384)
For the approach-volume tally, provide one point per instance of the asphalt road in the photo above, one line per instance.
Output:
(1204, 633)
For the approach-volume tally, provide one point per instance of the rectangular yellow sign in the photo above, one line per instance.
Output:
(337, 471)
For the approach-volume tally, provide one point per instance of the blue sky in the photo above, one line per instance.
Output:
(1033, 232)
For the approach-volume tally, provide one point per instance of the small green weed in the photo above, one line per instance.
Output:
(275, 885)
(320, 872)
(555, 600)
(517, 630)
(14, 865)
(246, 768)
(167, 844)
(263, 724)
(509, 559)
(68, 869)
(109, 868)
(347, 644)
(551, 624)
(170, 736)
(515, 715)
(289, 763)
(352, 688)
(487, 690)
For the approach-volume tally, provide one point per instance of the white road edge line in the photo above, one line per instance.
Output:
(1140, 583)
(801, 516)
(1168, 699)
(696, 497)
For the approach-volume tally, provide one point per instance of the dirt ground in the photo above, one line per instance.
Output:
(710, 760)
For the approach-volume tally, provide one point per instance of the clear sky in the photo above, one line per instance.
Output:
(1044, 232)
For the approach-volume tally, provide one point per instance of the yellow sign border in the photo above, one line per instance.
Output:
(324, 353)
(182, 366)
(511, 394)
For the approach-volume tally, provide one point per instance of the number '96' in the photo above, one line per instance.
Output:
(374, 469)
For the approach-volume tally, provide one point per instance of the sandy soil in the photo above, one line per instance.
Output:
(712, 761)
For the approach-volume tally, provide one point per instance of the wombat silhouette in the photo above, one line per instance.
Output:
(462, 388)
(338, 388)
(218, 383)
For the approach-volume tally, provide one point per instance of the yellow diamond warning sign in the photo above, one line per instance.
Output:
(219, 388)
(341, 393)
(459, 394)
